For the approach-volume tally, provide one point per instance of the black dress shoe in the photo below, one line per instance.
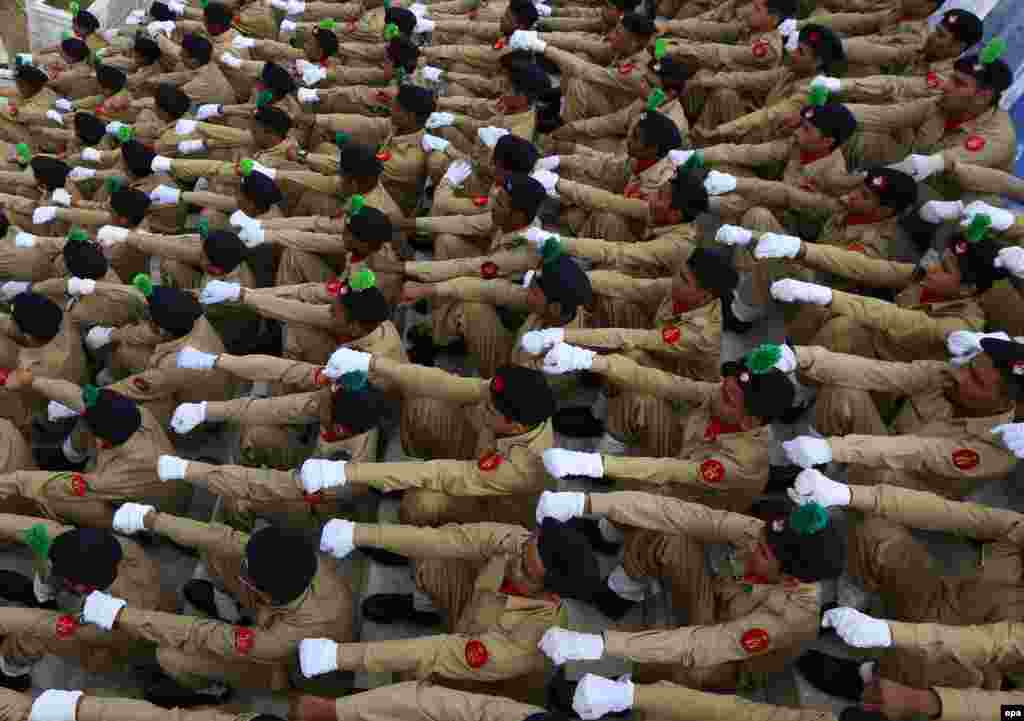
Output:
(384, 558)
(16, 683)
(834, 676)
(168, 693)
(578, 422)
(16, 587)
(200, 594)
(397, 607)
(591, 528)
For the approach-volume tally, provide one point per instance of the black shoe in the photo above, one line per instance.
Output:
(385, 558)
(834, 676)
(16, 683)
(578, 422)
(200, 594)
(395, 607)
(168, 693)
(591, 528)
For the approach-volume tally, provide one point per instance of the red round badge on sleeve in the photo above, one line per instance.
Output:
(671, 335)
(476, 653)
(626, 69)
(499, 44)
(141, 383)
(857, 248)
(759, 48)
(488, 270)
(965, 459)
(755, 640)
(333, 286)
(313, 499)
(384, 156)
(78, 485)
(4, 375)
(66, 626)
(490, 462)
(974, 143)
(712, 471)
(245, 639)
(481, 200)
(932, 79)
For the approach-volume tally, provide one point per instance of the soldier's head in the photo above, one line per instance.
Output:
(819, 50)
(990, 381)
(110, 417)
(517, 201)
(223, 251)
(129, 207)
(805, 545)
(632, 34)
(112, 80)
(217, 18)
(275, 80)
(411, 107)
(89, 129)
(29, 80)
(824, 128)
(976, 85)
(402, 53)
(50, 173)
(653, 136)
(278, 566)
(520, 399)
(258, 194)
(359, 168)
(512, 155)
(519, 15)
(613, 11)
(681, 200)
(966, 268)
(270, 126)
(37, 319)
(73, 50)
(706, 276)
(403, 19)
(886, 193)
(171, 103)
(172, 312)
(669, 75)
(84, 258)
(766, 15)
(560, 556)
(197, 51)
(558, 289)
(526, 82)
(754, 390)
(137, 159)
(161, 13)
(356, 408)
(145, 50)
(957, 31)
(322, 44)
(84, 560)
(367, 231)
(85, 24)
(360, 306)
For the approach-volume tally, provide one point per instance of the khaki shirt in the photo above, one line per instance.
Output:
(621, 122)
(15, 453)
(590, 89)
(423, 701)
(665, 700)
(826, 174)
(761, 50)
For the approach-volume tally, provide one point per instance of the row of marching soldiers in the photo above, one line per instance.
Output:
(681, 317)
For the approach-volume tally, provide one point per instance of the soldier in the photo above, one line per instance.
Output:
(114, 101)
(72, 76)
(32, 98)
(202, 80)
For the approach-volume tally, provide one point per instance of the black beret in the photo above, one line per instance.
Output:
(277, 80)
(964, 26)
(807, 544)
(111, 78)
(827, 46)
(660, 131)
(274, 119)
(522, 395)
(515, 155)
(403, 53)
(625, 5)
(85, 259)
(404, 19)
(995, 76)
(371, 225)
(526, 193)
(1007, 356)
(358, 410)
(281, 563)
(86, 22)
(75, 49)
(198, 47)
(672, 72)
(359, 161)
(563, 281)
(88, 556)
(218, 18)
(51, 172)
(417, 100)
(976, 261)
(689, 196)
(162, 13)
(224, 249)
(89, 129)
(327, 41)
(365, 306)
(36, 315)
(766, 395)
(137, 158)
(570, 567)
(783, 8)
(638, 24)
(261, 190)
(895, 189)
(112, 417)
(524, 11)
(833, 119)
(147, 48)
(529, 79)
(172, 100)
(714, 271)
(131, 204)
(174, 310)
(30, 74)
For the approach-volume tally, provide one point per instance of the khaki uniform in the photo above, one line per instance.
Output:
(14, 131)
(759, 51)
(15, 452)
(925, 80)
(111, 304)
(423, 701)
(608, 133)
(826, 174)
(593, 46)
(17, 707)
(207, 84)
(590, 89)
(733, 624)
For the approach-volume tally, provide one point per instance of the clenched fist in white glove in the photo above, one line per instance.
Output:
(165, 27)
(858, 629)
(925, 166)
(165, 195)
(55, 117)
(1001, 219)
(457, 173)
(939, 211)
(550, 162)
(243, 43)
(776, 245)
(232, 61)
(679, 157)
(55, 705)
(789, 290)
(130, 517)
(337, 538)
(79, 173)
(597, 696)
(98, 336)
(430, 143)
(44, 215)
(561, 645)
(207, 111)
(1012, 436)
(318, 656)
(81, 286)
(536, 342)
(313, 74)
(220, 291)
(24, 240)
(13, 288)
(91, 155)
(733, 235)
(490, 135)
(318, 474)
(565, 358)
(64, 105)
(548, 179)
(101, 609)
(61, 197)
(717, 183)
(288, 26)
(423, 25)
(808, 451)
(191, 147)
(308, 96)
(440, 120)
(187, 416)
(1012, 260)
(58, 411)
(812, 486)
(115, 127)
(527, 40)
(346, 360)
(561, 463)
(964, 345)
(562, 506)
(110, 235)
(189, 357)
(833, 85)
(171, 468)
(538, 237)
(161, 164)
(543, 10)
(433, 75)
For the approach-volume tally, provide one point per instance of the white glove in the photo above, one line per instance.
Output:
(295, 7)
(718, 183)
(1012, 259)
(925, 166)
(171, 468)
(561, 463)
(858, 629)
(55, 705)
(424, 25)
(210, 110)
(317, 656)
(790, 34)
(419, 10)
(252, 234)
(81, 286)
(279, 4)
(733, 235)
(165, 27)
(548, 179)
(220, 291)
(242, 43)
(176, 7)
(565, 358)
(110, 235)
(1001, 219)
(565, 505)
(490, 135)
(112, 33)
(165, 195)
(537, 237)
(787, 362)
(101, 609)
(187, 416)
(963, 345)
(337, 538)
(939, 211)
(458, 172)
(191, 147)
(776, 245)
(64, 105)
(308, 96)
(186, 126)
(135, 17)
(128, 519)
(232, 61)
(527, 40)
(13, 288)
(430, 143)
(807, 451)
(80, 173)
(597, 696)
(98, 336)
(561, 645)
(439, 120)
(551, 162)
(679, 157)
(813, 486)
(44, 215)
(91, 155)
(833, 85)
(61, 197)
(162, 164)
(193, 359)
(24, 240)
(58, 411)
(1012, 436)
(264, 170)
(288, 26)
(318, 474)
(536, 342)
(313, 75)
(239, 219)
(113, 128)
(789, 290)
(346, 360)
(55, 117)
(543, 10)
(433, 75)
